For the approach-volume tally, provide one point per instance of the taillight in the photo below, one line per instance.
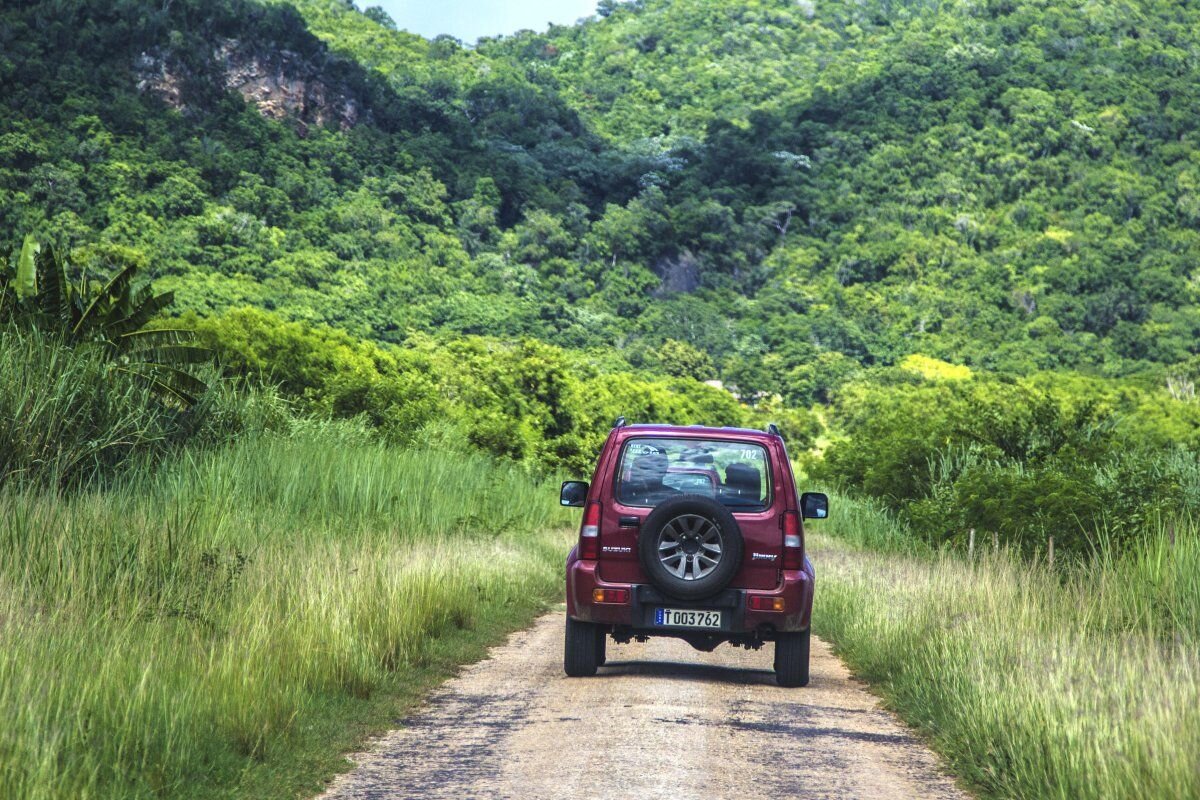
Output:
(589, 534)
(762, 602)
(793, 548)
(610, 596)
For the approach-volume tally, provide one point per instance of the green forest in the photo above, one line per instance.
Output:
(795, 190)
(273, 273)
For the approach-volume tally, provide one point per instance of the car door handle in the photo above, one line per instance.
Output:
(630, 522)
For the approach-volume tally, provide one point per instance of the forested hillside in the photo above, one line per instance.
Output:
(1008, 184)
(784, 190)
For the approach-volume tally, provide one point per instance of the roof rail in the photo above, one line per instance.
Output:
(620, 423)
(773, 429)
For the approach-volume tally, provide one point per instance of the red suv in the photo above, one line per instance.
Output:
(694, 533)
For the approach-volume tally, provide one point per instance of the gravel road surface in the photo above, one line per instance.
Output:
(660, 720)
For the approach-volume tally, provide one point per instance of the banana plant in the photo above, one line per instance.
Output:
(26, 285)
(23, 284)
(111, 316)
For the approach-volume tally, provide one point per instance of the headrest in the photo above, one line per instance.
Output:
(745, 478)
(648, 468)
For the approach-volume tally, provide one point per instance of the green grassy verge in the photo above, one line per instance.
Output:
(228, 624)
(1078, 683)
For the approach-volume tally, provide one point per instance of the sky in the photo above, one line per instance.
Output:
(469, 19)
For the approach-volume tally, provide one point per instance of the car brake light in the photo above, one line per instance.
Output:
(793, 547)
(762, 602)
(589, 534)
(610, 595)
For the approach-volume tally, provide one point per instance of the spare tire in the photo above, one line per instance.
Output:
(690, 546)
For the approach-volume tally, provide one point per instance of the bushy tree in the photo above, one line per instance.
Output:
(682, 360)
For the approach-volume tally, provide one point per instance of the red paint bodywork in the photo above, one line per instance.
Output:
(618, 566)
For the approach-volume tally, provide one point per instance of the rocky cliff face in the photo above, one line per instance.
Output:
(282, 85)
(679, 274)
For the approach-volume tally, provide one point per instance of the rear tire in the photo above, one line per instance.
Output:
(579, 650)
(601, 645)
(791, 659)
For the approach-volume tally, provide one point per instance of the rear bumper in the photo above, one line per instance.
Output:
(738, 619)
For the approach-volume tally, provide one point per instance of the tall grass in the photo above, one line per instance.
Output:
(67, 415)
(200, 616)
(867, 522)
(63, 413)
(1080, 682)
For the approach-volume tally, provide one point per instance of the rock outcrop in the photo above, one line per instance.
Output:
(282, 85)
(679, 274)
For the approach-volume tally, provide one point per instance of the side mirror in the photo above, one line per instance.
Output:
(814, 505)
(573, 493)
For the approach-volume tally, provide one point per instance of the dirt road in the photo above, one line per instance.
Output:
(661, 720)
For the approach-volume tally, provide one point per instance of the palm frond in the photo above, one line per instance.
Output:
(113, 289)
(174, 387)
(178, 378)
(156, 337)
(55, 295)
(172, 354)
(143, 311)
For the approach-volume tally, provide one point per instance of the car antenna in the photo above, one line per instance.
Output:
(620, 423)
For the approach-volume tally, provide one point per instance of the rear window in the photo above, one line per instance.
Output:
(734, 473)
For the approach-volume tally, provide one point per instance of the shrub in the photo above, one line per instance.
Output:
(1024, 459)
(324, 371)
(525, 400)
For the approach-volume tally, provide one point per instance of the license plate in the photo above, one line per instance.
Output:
(686, 618)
